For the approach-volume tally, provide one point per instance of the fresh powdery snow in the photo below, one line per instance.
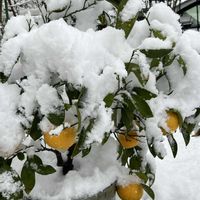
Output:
(56, 51)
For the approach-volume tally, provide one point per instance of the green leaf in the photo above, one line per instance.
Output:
(142, 176)
(35, 132)
(126, 26)
(36, 164)
(135, 163)
(135, 68)
(105, 139)
(155, 62)
(3, 78)
(28, 177)
(182, 64)
(142, 107)
(125, 155)
(149, 191)
(158, 34)
(86, 151)
(122, 4)
(168, 60)
(109, 99)
(20, 156)
(79, 117)
(186, 130)
(156, 53)
(173, 144)
(67, 106)
(82, 137)
(115, 3)
(45, 170)
(145, 94)
(56, 119)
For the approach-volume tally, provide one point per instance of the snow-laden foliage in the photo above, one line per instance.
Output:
(104, 68)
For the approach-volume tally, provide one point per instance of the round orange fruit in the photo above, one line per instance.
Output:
(172, 122)
(128, 141)
(65, 139)
(133, 191)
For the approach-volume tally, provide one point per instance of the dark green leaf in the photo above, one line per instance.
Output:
(126, 26)
(67, 106)
(155, 62)
(28, 177)
(135, 68)
(115, 3)
(142, 107)
(82, 136)
(158, 34)
(145, 94)
(105, 139)
(109, 99)
(168, 60)
(186, 131)
(45, 170)
(79, 117)
(135, 163)
(35, 132)
(156, 53)
(56, 119)
(173, 144)
(149, 191)
(142, 176)
(125, 155)
(86, 151)
(20, 156)
(182, 64)
(3, 78)
(122, 4)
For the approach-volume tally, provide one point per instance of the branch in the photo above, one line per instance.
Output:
(81, 9)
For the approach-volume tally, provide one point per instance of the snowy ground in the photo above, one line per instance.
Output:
(179, 178)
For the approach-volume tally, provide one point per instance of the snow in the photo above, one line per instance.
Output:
(47, 98)
(55, 52)
(131, 9)
(179, 178)
(155, 43)
(8, 186)
(11, 133)
(92, 173)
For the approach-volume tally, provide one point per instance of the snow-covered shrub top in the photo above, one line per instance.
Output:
(94, 66)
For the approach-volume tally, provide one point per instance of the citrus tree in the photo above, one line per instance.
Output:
(90, 92)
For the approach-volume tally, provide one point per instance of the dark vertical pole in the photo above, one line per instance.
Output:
(1, 2)
(197, 8)
(6, 10)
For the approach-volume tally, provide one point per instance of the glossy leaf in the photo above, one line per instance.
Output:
(145, 94)
(109, 99)
(56, 119)
(173, 144)
(126, 26)
(142, 107)
(186, 131)
(35, 132)
(28, 177)
(135, 68)
(156, 53)
(182, 64)
(149, 191)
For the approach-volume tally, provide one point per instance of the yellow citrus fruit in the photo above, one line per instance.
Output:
(62, 141)
(172, 122)
(128, 141)
(132, 191)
